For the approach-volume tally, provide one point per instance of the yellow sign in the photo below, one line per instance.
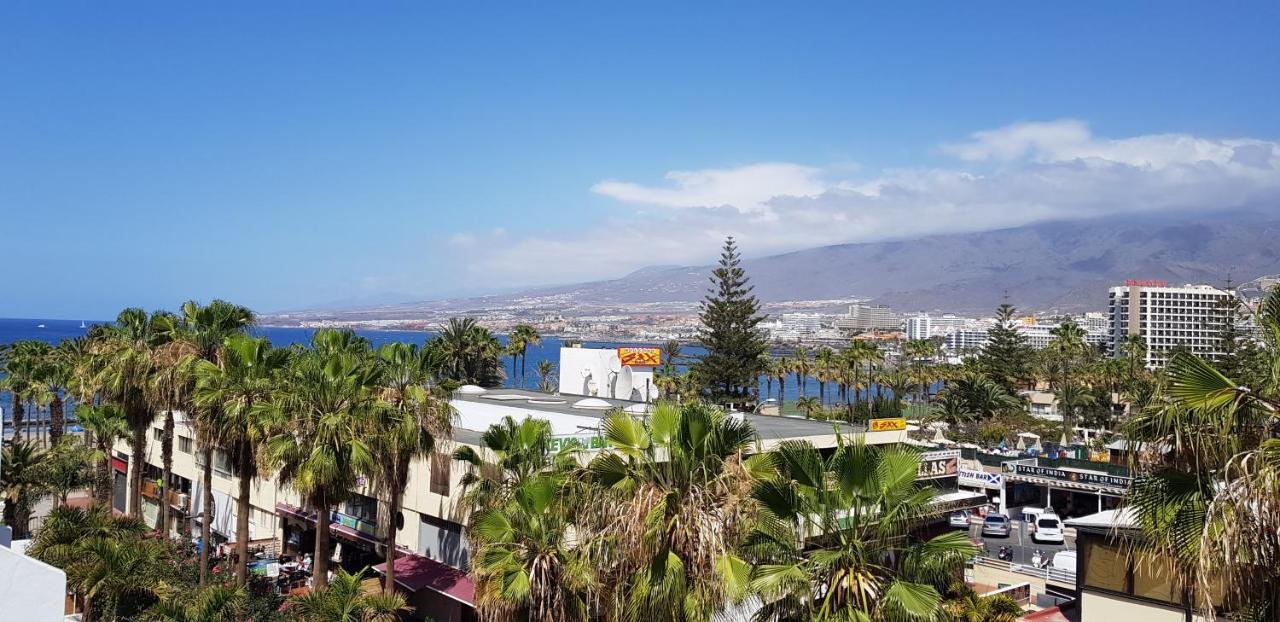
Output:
(640, 357)
(887, 425)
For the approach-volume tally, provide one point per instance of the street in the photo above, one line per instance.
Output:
(1020, 542)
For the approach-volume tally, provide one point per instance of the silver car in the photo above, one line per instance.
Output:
(995, 525)
(960, 519)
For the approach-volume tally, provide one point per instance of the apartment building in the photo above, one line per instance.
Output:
(1167, 318)
(865, 317)
(429, 529)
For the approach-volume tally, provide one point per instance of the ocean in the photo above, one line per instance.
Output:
(54, 331)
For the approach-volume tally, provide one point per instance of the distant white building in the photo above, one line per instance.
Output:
(1167, 318)
(966, 340)
(919, 326)
(1039, 336)
(863, 317)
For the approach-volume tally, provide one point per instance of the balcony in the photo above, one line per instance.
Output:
(178, 500)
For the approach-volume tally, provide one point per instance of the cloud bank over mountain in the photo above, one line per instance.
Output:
(1010, 176)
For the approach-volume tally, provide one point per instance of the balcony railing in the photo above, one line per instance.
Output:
(174, 498)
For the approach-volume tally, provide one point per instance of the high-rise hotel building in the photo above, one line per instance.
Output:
(1167, 318)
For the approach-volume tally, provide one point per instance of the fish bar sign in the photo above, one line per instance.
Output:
(640, 357)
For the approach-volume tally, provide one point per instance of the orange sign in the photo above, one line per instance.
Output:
(640, 357)
(887, 425)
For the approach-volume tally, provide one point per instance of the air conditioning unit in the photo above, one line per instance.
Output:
(184, 500)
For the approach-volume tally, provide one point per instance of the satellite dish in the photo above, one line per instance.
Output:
(615, 365)
(654, 392)
(622, 388)
(586, 372)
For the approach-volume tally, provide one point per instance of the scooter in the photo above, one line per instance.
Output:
(1006, 553)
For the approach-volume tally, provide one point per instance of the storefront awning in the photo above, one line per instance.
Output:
(352, 534)
(415, 573)
(1056, 483)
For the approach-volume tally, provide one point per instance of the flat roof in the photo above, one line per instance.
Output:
(525, 403)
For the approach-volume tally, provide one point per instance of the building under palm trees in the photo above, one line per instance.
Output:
(430, 530)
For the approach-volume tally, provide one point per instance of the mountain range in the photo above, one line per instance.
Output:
(1065, 266)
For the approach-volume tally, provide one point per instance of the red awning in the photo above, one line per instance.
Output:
(352, 534)
(295, 512)
(415, 572)
(119, 465)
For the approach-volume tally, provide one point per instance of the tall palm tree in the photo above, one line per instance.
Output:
(129, 348)
(118, 578)
(802, 366)
(206, 328)
(766, 368)
(321, 416)
(674, 506)
(106, 424)
(346, 601)
(519, 452)
(781, 368)
(236, 390)
(22, 484)
(525, 335)
(172, 383)
(824, 362)
(21, 379)
(69, 539)
(414, 416)
(834, 542)
(55, 375)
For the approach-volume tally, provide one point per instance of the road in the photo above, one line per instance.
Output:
(1021, 543)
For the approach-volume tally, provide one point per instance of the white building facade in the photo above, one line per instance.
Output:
(1167, 318)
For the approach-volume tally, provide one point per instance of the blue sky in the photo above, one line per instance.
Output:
(309, 152)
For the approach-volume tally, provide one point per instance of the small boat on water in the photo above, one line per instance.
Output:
(82, 324)
(39, 325)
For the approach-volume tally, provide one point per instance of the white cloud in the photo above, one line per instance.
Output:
(1042, 171)
(745, 188)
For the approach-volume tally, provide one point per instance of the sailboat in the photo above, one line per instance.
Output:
(39, 325)
(82, 324)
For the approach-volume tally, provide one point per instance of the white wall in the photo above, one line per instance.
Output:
(602, 382)
(30, 590)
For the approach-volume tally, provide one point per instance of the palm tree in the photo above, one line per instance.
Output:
(118, 578)
(22, 484)
(172, 383)
(809, 405)
(105, 424)
(321, 416)
(524, 335)
(56, 375)
(216, 603)
(470, 352)
(833, 541)
(674, 507)
(824, 362)
(524, 566)
(65, 532)
(801, 365)
(207, 327)
(766, 367)
(520, 451)
(414, 417)
(546, 371)
(346, 601)
(781, 367)
(21, 379)
(128, 349)
(235, 391)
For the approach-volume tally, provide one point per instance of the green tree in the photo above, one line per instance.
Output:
(66, 468)
(413, 416)
(1006, 357)
(23, 484)
(236, 391)
(206, 328)
(320, 417)
(834, 537)
(470, 352)
(346, 601)
(216, 603)
(546, 371)
(105, 424)
(673, 506)
(21, 379)
(523, 336)
(730, 332)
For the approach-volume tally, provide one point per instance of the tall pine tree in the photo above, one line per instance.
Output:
(1007, 356)
(730, 314)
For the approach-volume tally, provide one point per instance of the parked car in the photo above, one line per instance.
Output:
(995, 525)
(1048, 529)
(1031, 514)
(960, 519)
(1065, 561)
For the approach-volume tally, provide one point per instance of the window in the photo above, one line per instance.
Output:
(1106, 567)
(440, 474)
(184, 444)
(363, 508)
(1153, 579)
(221, 463)
(157, 434)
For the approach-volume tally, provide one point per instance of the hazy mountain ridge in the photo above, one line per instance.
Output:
(1056, 265)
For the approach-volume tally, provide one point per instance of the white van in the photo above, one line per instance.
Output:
(1065, 561)
(1030, 515)
(1048, 529)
